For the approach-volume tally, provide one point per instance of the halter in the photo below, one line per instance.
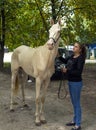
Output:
(55, 41)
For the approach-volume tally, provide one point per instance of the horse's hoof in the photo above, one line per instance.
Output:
(38, 123)
(26, 106)
(43, 121)
(12, 110)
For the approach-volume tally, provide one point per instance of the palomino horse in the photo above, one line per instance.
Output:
(39, 63)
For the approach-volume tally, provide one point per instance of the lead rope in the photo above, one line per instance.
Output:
(62, 83)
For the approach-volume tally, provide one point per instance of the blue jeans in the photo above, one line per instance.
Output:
(75, 92)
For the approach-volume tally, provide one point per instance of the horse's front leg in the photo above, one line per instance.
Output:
(37, 114)
(44, 90)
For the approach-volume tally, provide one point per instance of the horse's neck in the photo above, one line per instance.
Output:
(51, 54)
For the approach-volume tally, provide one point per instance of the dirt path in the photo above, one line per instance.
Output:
(58, 112)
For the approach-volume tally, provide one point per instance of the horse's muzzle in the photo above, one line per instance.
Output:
(50, 46)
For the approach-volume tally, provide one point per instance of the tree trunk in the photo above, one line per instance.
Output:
(44, 22)
(2, 41)
(53, 10)
(1, 57)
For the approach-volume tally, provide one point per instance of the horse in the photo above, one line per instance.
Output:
(39, 63)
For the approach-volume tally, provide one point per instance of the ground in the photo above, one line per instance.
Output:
(57, 111)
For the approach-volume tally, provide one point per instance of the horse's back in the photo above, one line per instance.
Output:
(22, 49)
(25, 57)
(20, 53)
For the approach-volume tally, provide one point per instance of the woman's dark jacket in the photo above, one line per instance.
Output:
(74, 67)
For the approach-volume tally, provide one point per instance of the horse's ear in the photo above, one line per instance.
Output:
(59, 21)
(51, 22)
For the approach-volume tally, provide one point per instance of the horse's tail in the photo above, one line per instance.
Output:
(16, 88)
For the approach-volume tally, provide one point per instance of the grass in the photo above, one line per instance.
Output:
(7, 65)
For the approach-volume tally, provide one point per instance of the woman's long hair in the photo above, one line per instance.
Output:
(83, 50)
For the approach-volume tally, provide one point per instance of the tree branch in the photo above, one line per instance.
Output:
(60, 8)
(53, 10)
(42, 16)
(74, 9)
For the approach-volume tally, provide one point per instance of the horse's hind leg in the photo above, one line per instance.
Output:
(13, 81)
(23, 78)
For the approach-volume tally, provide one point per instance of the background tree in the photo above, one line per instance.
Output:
(2, 33)
(27, 22)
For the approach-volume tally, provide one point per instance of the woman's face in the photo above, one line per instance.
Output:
(76, 48)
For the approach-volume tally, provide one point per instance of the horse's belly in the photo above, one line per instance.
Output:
(47, 74)
(28, 70)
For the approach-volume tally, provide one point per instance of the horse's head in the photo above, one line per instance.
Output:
(54, 35)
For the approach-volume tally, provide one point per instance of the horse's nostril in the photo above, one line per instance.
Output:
(52, 44)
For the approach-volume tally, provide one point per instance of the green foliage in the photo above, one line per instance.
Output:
(23, 24)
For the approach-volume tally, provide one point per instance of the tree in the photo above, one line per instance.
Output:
(2, 34)
(27, 22)
(83, 15)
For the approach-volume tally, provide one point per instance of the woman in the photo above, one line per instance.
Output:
(74, 68)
